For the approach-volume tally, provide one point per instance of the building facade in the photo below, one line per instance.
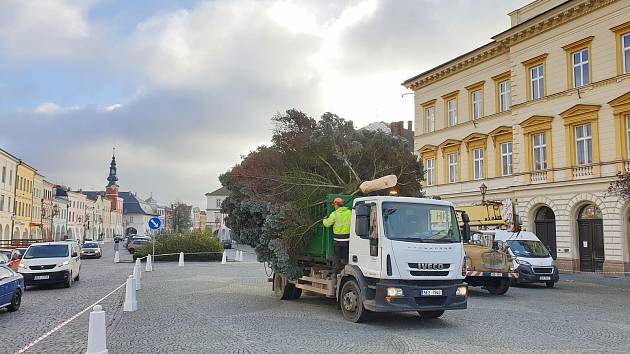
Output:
(47, 210)
(136, 214)
(214, 216)
(61, 204)
(23, 207)
(8, 165)
(541, 116)
(76, 215)
(36, 215)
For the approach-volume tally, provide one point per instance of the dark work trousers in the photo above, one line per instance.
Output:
(340, 251)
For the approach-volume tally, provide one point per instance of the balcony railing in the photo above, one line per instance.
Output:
(539, 176)
(584, 171)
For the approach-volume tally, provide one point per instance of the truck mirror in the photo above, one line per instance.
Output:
(466, 227)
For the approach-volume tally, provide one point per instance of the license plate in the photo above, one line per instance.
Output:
(41, 277)
(545, 278)
(431, 292)
(496, 274)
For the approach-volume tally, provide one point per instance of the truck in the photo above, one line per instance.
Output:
(488, 263)
(405, 255)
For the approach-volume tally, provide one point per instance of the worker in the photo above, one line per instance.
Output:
(339, 219)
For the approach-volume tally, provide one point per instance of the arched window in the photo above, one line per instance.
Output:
(589, 212)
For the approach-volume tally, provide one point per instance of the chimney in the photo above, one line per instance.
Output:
(409, 125)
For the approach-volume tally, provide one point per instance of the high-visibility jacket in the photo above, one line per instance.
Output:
(340, 221)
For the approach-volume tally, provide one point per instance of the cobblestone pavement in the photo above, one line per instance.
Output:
(44, 308)
(209, 307)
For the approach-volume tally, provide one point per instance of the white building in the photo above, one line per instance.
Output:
(60, 213)
(76, 215)
(8, 164)
(136, 214)
(213, 208)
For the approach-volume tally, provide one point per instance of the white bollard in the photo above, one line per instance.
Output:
(138, 262)
(137, 273)
(224, 258)
(240, 256)
(130, 295)
(149, 266)
(97, 336)
(181, 259)
(116, 257)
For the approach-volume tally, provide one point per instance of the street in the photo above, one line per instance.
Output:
(209, 307)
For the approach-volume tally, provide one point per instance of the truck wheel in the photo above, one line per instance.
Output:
(498, 286)
(285, 290)
(351, 302)
(550, 284)
(430, 314)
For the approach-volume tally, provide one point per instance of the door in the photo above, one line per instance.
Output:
(365, 252)
(546, 229)
(591, 239)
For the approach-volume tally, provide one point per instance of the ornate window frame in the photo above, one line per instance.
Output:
(534, 125)
(428, 152)
(501, 135)
(620, 31)
(451, 146)
(427, 105)
(448, 97)
(530, 63)
(476, 141)
(581, 114)
(478, 86)
(572, 48)
(621, 108)
(498, 80)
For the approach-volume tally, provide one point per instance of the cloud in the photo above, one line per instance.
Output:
(207, 79)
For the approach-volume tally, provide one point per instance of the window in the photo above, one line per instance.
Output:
(504, 96)
(625, 52)
(478, 163)
(452, 168)
(429, 166)
(539, 151)
(476, 104)
(4, 174)
(1, 203)
(10, 206)
(10, 177)
(580, 68)
(452, 112)
(583, 144)
(219, 203)
(537, 82)
(429, 115)
(506, 159)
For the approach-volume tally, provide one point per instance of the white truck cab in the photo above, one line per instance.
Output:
(531, 259)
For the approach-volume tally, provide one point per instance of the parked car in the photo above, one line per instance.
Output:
(530, 257)
(11, 289)
(227, 244)
(4, 260)
(128, 240)
(137, 242)
(14, 256)
(51, 263)
(91, 250)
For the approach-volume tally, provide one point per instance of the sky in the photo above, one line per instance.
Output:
(183, 89)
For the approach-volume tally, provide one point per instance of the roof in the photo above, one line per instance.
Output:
(93, 195)
(133, 205)
(223, 191)
(9, 155)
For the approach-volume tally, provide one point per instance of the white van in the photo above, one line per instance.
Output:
(530, 257)
(51, 263)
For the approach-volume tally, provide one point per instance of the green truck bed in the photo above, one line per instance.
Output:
(319, 245)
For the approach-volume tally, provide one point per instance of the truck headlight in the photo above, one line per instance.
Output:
(64, 263)
(461, 291)
(394, 292)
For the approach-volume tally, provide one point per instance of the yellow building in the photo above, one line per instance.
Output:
(36, 214)
(25, 176)
(540, 115)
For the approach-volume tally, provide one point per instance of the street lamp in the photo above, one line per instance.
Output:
(483, 189)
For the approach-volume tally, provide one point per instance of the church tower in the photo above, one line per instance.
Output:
(111, 191)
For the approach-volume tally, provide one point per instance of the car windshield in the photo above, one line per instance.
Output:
(6, 253)
(414, 222)
(49, 251)
(90, 245)
(528, 248)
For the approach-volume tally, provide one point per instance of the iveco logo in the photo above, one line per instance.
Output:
(438, 266)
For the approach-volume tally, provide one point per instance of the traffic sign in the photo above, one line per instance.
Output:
(154, 223)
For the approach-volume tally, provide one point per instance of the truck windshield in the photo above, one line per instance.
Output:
(414, 222)
(528, 248)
